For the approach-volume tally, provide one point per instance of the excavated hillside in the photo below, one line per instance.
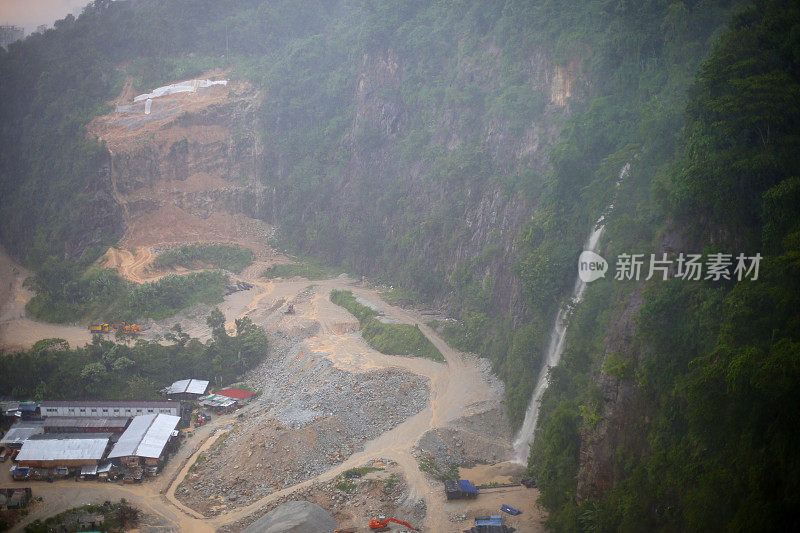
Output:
(184, 167)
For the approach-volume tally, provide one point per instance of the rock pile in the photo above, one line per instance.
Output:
(310, 415)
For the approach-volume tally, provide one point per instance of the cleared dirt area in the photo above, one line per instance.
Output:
(354, 502)
(170, 225)
(115, 130)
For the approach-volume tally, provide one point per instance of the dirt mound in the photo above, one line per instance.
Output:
(450, 446)
(295, 517)
(355, 502)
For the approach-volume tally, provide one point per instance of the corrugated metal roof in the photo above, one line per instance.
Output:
(66, 446)
(212, 400)
(146, 436)
(191, 386)
(101, 403)
(178, 387)
(85, 422)
(22, 431)
(492, 520)
(236, 394)
(197, 386)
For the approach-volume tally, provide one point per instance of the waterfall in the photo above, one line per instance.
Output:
(555, 348)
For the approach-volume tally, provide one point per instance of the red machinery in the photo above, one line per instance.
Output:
(380, 524)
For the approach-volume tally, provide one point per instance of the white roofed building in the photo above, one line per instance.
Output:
(22, 431)
(108, 408)
(145, 439)
(63, 450)
(186, 389)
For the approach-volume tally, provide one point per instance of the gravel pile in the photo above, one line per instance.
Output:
(480, 438)
(310, 416)
(294, 517)
(368, 499)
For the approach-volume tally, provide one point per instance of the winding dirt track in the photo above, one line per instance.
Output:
(454, 386)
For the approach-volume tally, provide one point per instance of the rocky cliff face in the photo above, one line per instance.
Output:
(619, 409)
(202, 158)
(415, 211)
(102, 218)
(622, 410)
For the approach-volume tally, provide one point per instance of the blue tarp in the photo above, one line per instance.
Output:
(465, 486)
(493, 520)
(510, 510)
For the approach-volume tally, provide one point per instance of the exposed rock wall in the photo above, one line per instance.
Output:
(452, 221)
(619, 409)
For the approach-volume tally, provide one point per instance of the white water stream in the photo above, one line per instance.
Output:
(555, 348)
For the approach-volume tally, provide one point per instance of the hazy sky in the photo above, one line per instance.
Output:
(31, 13)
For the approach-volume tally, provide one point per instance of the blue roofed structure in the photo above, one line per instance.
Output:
(466, 486)
(457, 490)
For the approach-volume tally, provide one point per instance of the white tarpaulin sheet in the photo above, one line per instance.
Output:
(189, 86)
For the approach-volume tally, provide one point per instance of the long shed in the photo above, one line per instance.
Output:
(64, 449)
(107, 408)
(145, 439)
(85, 424)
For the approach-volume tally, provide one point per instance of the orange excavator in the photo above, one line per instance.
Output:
(381, 525)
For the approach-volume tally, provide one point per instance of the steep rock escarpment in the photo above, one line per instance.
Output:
(427, 192)
(619, 409)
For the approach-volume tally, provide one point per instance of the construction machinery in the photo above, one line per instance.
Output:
(383, 525)
(133, 329)
(290, 309)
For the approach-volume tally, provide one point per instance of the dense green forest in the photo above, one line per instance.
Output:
(699, 96)
(105, 369)
(710, 440)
